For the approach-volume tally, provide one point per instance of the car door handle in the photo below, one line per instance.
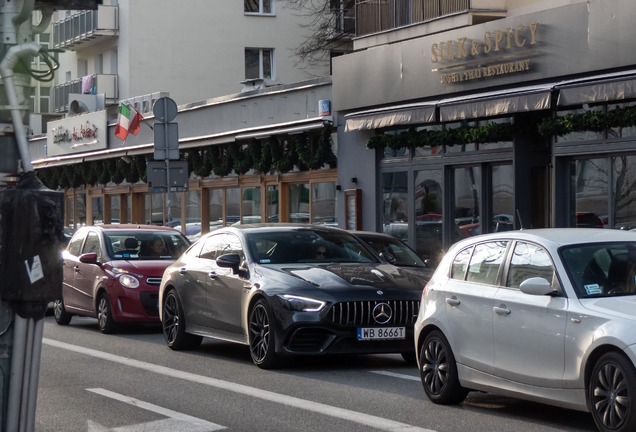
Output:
(502, 310)
(453, 301)
(183, 270)
(212, 275)
(76, 268)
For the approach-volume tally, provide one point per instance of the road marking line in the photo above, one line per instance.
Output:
(193, 421)
(341, 413)
(397, 375)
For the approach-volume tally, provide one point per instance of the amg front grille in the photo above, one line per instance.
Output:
(360, 313)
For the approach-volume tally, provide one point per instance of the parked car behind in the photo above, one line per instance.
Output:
(544, 315)
(113, 272)
(289, 289)
(396, 252)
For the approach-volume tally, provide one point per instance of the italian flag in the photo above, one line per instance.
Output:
(128, 122)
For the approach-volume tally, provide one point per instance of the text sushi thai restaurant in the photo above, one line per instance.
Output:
(527, 121)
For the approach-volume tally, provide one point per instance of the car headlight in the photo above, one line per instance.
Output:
(128, 281)
(301, 304)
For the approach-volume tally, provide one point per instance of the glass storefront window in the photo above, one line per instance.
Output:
(403, 152)
(80, 203)
(272, 203)
(98, 210)
(590, 186)
(232, 205)
(69, 211)
(216, 208)
(502, 198)
(466, 199)
(395, 204)
(115, 206)
(193, 213)
(299, 203)
(173, 209)
(157, 213)
(251, 205)
(428, 214)
(323, 203)
(624, 192)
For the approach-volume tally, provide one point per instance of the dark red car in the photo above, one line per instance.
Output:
(113, 272)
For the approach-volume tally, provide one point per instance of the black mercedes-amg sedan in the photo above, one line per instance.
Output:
(289, 289)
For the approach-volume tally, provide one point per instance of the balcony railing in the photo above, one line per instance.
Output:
(85, 28)
(345, 20)
(103, 84)
(373, 16)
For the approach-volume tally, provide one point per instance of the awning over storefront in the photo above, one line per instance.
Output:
(601, 88)
(503, 102)
(391, 116)
(286, 128)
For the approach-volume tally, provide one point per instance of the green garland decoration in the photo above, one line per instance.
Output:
(620, 117)
(490, 132)
(262, 156)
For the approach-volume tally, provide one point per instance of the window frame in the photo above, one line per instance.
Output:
(261, 74)
(261, 7)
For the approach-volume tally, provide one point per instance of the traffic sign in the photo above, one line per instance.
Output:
(165, 109)
(166, 141)
(161, 174)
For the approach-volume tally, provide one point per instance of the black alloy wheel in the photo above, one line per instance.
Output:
(173, 325)
(105, 320)
(438, 371)
(612, 393)
(62, 317)
(261, 336)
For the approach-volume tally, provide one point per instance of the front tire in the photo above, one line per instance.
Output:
(261, 336)
(105, 320)
(173, 325)
(62, 317)
(612, 393)
(438, 371)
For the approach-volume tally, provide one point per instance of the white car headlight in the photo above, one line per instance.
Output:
(128, 281)
(301, 304)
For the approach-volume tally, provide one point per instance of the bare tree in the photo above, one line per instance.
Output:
(330, 28)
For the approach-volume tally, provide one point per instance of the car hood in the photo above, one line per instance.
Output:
(622, 307)
(151, 268)
(345, 275)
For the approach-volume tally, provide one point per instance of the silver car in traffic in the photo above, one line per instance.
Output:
(544, 315)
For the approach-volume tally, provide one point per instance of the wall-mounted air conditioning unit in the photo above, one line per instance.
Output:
(85, 103)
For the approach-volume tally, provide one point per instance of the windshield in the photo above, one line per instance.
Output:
(306, 246)
(601, 269)
(145, 245)
(393, 250)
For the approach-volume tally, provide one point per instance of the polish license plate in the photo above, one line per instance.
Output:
(381, 333)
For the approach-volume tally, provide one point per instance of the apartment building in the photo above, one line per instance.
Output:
(461, 117)
(230, 68)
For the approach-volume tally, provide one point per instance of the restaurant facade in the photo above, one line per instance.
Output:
(522, 122)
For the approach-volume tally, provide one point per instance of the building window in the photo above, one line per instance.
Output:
(262, 7)
(258, 63)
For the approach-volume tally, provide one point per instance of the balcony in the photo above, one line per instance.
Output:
(103, 84)
(374, 16)
(86, 28)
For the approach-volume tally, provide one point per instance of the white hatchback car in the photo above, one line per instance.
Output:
(544, 315)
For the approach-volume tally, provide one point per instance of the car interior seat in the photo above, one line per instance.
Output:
(620, 276)
(130, 245)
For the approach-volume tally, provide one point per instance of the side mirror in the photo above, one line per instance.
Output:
(89, 258)
(232, 261)
(537, 286)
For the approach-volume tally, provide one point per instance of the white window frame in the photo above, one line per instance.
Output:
(261, 7)
(260, 63)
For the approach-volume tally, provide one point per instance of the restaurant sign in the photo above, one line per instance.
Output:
(501, 52)
(77, 134)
